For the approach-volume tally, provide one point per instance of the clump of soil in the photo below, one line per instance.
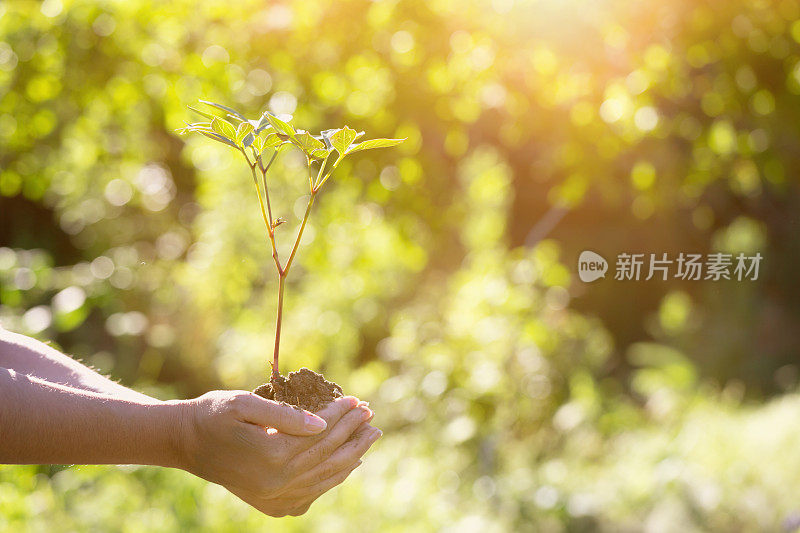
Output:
(304, 389)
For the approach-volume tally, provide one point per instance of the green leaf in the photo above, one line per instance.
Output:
(198, 124)
(326, 137)
(257, 143)
(262, 123)
(217, 137)
(209, 116)
(244, 129)
(205, 128)
(374, 143)
(224, 128)
(192, 127)
(224, 108)
(284, 145)
(280, 126)
(272, 141)
(307, 143)
(343, 138)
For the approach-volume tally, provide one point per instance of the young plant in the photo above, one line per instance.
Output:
(259, 141)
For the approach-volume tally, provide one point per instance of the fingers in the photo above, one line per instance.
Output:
(318, 489)
(335, 410)
(344, 456)
(254, 409)
(331, 414)
(336, 436)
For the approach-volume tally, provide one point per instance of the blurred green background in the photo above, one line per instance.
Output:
(437, 280)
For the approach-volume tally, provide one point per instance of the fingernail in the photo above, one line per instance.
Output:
(351, 400)
(362, 403)
(366, 413)
(375, 435)
(315, 423)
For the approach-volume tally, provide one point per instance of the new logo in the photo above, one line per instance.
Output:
(591, 266)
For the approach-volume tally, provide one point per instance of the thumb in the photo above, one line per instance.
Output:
(284, 418)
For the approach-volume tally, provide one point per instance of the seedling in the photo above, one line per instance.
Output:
(260, 141)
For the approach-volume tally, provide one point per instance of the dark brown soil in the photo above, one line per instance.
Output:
(304, 389)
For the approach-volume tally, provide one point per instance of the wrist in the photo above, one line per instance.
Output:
(180, 434)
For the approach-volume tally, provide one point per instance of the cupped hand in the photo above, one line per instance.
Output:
(279, 471)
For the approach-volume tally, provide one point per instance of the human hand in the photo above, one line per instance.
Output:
(278, 472)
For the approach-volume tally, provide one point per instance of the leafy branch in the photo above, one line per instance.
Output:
(261, 140)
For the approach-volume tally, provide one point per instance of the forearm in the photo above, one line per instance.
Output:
(46, 423)
(29, 356)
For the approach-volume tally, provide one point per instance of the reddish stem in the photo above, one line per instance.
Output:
(275, 372)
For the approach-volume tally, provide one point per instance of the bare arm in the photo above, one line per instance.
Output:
(33, 358)
(219, 436)
(42, 422)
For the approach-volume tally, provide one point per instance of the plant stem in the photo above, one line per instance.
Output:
(319, 175)
(300, 233)
(271, 227)
(319, 182)
(267, 215)
(264, 179)
(283, 271)
(281, 281)
(275, 372)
